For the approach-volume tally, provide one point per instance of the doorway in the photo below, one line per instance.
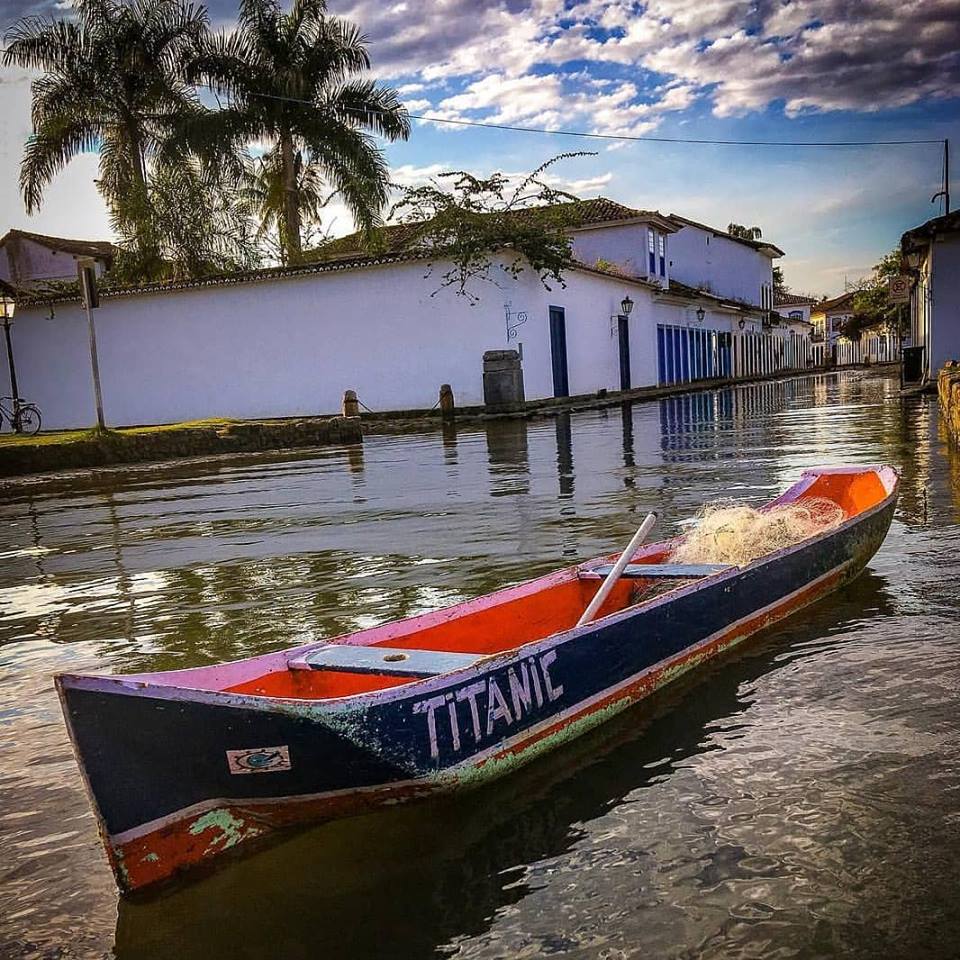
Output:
(558, 352)
(623, 333)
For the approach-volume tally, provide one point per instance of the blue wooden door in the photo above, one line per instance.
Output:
(623, 331)
(558, 352)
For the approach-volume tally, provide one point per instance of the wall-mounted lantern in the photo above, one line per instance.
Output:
(626, 305)
(741, 323)
(701, 313)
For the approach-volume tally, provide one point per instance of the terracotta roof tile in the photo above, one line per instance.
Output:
(72, 293)
(81, 248)
(794, 300)
(842, 302)
(398, 236)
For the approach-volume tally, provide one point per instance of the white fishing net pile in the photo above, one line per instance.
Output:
(737, 535)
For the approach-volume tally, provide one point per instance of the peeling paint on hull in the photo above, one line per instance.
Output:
(380, 749)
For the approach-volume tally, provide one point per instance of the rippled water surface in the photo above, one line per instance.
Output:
(801, 799)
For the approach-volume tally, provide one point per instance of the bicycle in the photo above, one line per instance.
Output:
(24, 417)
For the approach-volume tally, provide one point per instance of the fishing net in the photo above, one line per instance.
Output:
(737, 535)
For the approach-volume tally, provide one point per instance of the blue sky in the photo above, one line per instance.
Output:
(770, 69)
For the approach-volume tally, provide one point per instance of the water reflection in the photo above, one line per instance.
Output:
(785, 800)
(508, 456)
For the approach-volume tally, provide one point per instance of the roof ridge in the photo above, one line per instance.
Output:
(619, 210)
(66, 244)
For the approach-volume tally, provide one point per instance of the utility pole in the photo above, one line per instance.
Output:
(87, 269)
(946, 176)
(945, 192)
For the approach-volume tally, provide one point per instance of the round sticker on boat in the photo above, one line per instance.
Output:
(259, 760)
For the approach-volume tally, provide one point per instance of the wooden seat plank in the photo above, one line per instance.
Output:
(392, 661)
(680, 571)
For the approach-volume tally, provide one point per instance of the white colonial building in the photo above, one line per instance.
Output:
(289, 341)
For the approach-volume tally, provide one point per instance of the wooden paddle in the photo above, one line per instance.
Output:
(614, 575)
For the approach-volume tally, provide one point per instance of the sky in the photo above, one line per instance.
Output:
(797, 70)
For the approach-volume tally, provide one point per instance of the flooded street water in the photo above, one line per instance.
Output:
(800, 799)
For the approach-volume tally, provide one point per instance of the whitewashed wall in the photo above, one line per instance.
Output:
(291, 347)
(944, 334)
(626, 245)
(724, 267)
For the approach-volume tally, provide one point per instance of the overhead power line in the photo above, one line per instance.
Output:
(642, 138)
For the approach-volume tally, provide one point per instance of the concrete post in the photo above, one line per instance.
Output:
(351, 405)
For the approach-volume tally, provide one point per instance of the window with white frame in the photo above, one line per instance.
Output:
(652, 251)
(662, 253)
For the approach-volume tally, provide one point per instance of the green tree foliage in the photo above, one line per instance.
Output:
(870, 305)
(744, 233)
(190, 225)
(471, 222)
(780, 287)
(292, 79)
(111, 82)
(262, 191)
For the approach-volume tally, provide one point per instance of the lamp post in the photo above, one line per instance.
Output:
(7, 306)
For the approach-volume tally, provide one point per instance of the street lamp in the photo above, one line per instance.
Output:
(626, 305)
(7, 307)
(701, 313)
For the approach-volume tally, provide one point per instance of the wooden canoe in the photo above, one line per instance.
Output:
(184, 765)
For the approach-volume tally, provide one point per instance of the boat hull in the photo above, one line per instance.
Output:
(179, 776)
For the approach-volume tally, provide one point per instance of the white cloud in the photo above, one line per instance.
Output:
(810, 54)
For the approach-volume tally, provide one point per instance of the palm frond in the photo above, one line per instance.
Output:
(368, 104)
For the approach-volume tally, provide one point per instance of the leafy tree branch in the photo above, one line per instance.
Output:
(474, 223)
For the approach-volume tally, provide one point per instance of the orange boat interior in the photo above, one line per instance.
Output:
(520, 615)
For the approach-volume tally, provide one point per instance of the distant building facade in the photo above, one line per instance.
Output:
(794, 306)
(33, 261)
(829, 316)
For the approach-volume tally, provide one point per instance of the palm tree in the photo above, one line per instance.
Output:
(112, 82)
(262, 191)
(290, 79)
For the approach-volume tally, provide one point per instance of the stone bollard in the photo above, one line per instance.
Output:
(351, 405)
(447, 407)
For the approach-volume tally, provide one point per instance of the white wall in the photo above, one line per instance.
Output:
(701, 259)
(622, 244)
(291, 346)
(627, 245)
(944, 335)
